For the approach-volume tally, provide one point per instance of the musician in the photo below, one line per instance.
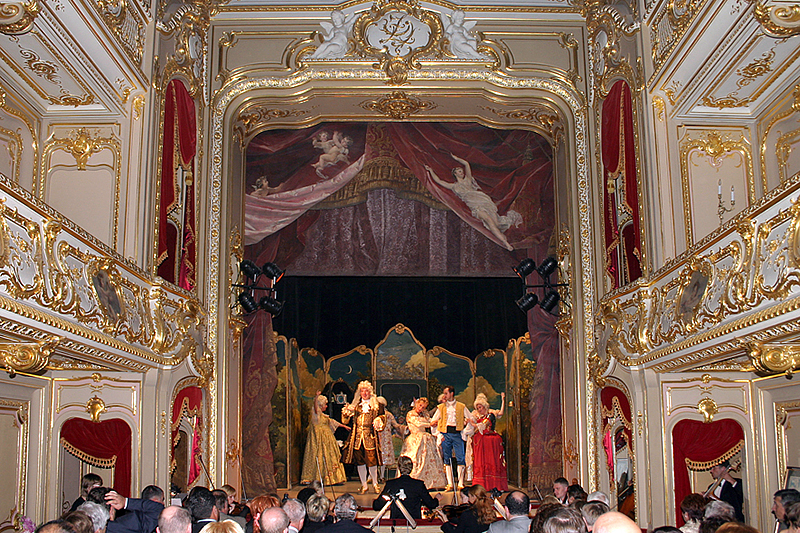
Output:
(729, 488)
(411, 492)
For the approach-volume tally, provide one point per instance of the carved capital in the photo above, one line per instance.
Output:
(27, 356)
(774, 358)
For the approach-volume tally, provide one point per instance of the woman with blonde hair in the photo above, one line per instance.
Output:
(421, 447)
(363, 447)
(488, 455)
(322, 456)
(226, 526)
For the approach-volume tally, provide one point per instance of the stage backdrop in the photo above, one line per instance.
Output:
(399, 199)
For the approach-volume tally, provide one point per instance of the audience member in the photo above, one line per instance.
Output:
(317, 515)
(667, 529)
(258, 505)
(780, 501)
(736, 527)
(517, 506)
(614, 522)
(203, 506)
(88, 482)
(344, 510)
(692, 509)
(545, 510)
(564, 520)
(227, 526)
(560, 487)
(80, 521)
(591, 511)
(710, 525)
(273, 520)
(223, 506)
(98, 495)
(139, 521)
(411, 492)
(296, 512)
(719, 509)
(97, 513)
(55, 526)
(145, 513)
(792, 517)
(576, 492)
(174, 519)
(599, 496)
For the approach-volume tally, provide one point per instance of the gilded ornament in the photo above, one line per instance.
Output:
(17, 18)
(708, 408)
(549, 121)
(27, 356)
(398, 105)
(95, 407)
(768, 358)
(82, 145)
(730, 101)
(778, 21)
(126, 24)
(755, 69)
(253, 119)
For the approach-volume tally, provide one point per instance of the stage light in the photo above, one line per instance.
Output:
(527, 302)
(525, 268)
(550, 301)
(249, 269)
(247, 302)
(547, 267)
(271, 305)
(273, 271)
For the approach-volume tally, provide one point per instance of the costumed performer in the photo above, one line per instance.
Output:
(322, 456)
(363, 447)
(451, 417)
(385, 436)
(488, 456)
(421, 447)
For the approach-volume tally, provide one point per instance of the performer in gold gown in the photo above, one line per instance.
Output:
(421, 447)
(363, 447)
(322, 456)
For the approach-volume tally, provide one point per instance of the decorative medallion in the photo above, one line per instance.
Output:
(708, 408)
(95, 407)
(778, 21)
(82, 146)
(774, 358)
(27, 356)
(17, 18)
(692, 295)
(398, 105)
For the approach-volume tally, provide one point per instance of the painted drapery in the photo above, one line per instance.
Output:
(621, 227)
(106, 443)
(176, 256)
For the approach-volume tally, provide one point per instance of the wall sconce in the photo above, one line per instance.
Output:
(551, 297)
(254, 274)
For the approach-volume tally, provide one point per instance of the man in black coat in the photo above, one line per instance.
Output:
(345, 510)
(729, 489)
(411, 492)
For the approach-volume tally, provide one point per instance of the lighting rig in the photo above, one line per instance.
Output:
(254, 275)
(551, 297)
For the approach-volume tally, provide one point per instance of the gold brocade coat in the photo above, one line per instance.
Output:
(363, 432)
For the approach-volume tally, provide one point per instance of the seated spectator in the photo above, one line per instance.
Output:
(174, 519)
(719, 509)
(710, 525)
(599, 496)
(203, 507)
(345, 510)
(80, 521)
(258, 505)
(317, 515)
(591, 511)
(313, 488)
(144, 513)
(97, 513)
(98, 495)
(88, 482)
(692, 509)
(227, 526)
(575, 492)
(736, 527)
(223, 506)
(545, 510)
(792, 517)
(780, 501)
(138, 520)
(273, 520)
(667, 529)
(517, 506)
(296, 512)
(55, 526)
(614, 522)
(564, 520)
(477, 517)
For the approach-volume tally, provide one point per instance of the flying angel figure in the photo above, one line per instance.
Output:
(463, 44)
(334, 40)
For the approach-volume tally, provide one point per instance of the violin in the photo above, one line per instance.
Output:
(453, 512)
(734, 467)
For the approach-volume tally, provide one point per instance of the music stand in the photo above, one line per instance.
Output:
(389, 500)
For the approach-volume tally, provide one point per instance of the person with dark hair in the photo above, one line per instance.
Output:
(792, 517)
(710, 525)
(142, 516)
(560, 486)
(174, 519)
(591, 511)
(411, 492)
(692, 509)
(667, 529)
(98, 495)
(203, 506)
(736, 527)
(80, 521)
(729, 488)
(565, 520)
(575, 493)
(452, 417)
(780, 501)
(138, 520)
(545, 510)
(88, 482)
(224, 509)
(55, 526)
(517, 505)
(477, 517)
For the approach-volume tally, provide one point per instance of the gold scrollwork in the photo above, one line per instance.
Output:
(252, 119)
(82, 146)
(27, 356)
(394, 46)
(398, 105)
(95, 407)
(708, 408)
(17, 18)
(774, 358)
(778, 21)
(549, 121)
(126, 24)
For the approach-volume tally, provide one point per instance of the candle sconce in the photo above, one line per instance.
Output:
(721, 209)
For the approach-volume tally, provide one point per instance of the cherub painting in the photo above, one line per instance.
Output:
(335, 149)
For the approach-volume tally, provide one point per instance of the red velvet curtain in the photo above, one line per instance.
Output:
(608, 397)
(102, 440)
(619, 159)
(700, 446)
(189, 401)
(177, 246)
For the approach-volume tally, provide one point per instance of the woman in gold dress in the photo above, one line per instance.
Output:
(322, 456)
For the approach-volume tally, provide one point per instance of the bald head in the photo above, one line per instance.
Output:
(273, 520)
(614, 522)
(174, 519)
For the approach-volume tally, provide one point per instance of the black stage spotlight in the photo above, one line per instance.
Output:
(527, 302)
(271, 305)
(249, 269)
(547, 267)
(247, 302)
(273, 271)
(525, 267)
(550, 301)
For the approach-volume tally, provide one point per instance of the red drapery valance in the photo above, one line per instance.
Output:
(108, 441)
(615, 403)
(619, 160)
(189, 402)
(178, 151)
(699, 446)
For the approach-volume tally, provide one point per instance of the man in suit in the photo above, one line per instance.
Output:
(139, 520)
(203, 506)
(517, 506)
(780, 501)
(345, 510)
(729, 489)
(143, 513)
(411, 492)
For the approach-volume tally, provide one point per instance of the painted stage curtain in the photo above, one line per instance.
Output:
(189, 403)
(106, 443)
(621, 226)
(176, 259)
(699, 446)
